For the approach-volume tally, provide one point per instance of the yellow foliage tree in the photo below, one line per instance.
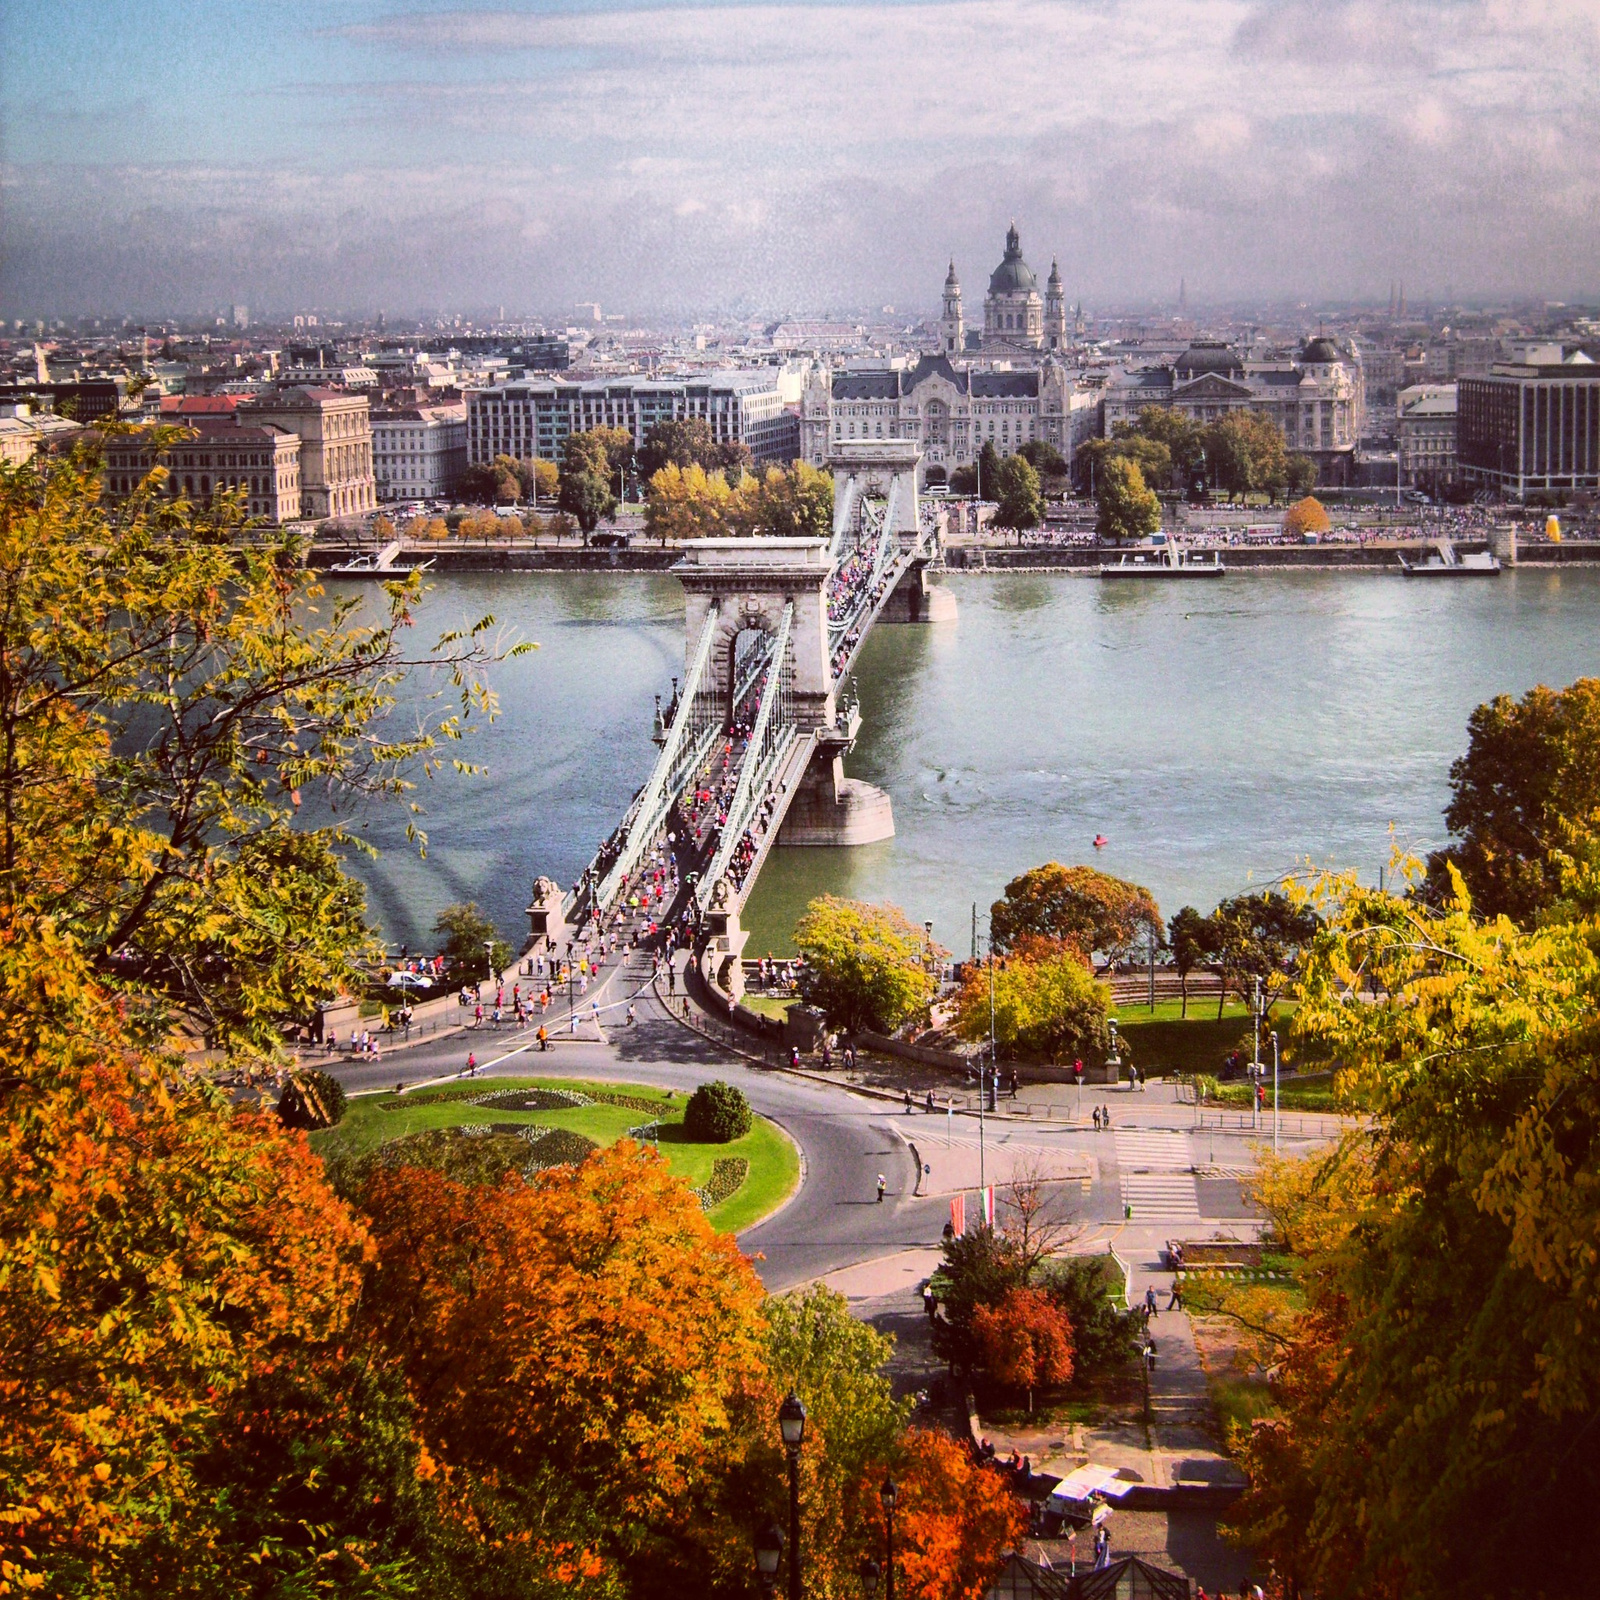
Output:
(687, 503)
(1306, 516)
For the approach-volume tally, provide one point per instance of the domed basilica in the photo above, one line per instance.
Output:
(1017, 320)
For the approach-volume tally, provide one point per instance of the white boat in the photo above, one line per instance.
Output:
(379, 564)
(1450, 563)
(1165, 561)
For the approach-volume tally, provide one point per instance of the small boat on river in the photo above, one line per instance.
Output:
(1449, 562)
(377, 564)
(1165, 561)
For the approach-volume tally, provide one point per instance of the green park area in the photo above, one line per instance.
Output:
(521, 1106)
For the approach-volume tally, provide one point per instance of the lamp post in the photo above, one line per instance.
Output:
(869, 1572)
(792, 1425)
(1274, 1091)
(488, 957)
(769, 1552)
(889, 1493)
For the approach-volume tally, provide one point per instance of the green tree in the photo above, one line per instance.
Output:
(988, 477)
(1125, 508)
(1189, 939)
(1044, 458)
(1087, 1289)
(1017, 490)
(589, 475)
(1530, 774)
(689, 442)
(1079, 906)
(793, 502)
(1300, 474)
(717, 1113)
(465, 932)
(1259, 938)
(1183, 438)
(866, 967)
(168, 691)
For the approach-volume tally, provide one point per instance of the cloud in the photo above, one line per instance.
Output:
(798, 156)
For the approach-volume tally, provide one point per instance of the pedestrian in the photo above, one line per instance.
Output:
(472, 1065)
(632, 1015)
(1105, 1116)
(929, 1304)
(1150, 1300)
(930, 1102)
(686, 1008)
(543, 1037)
(883, 1184)
(672, 979)
(794, 1057)
(1150, 1356)
(1097, 1119)
(908, 1102)
(1176, 1302)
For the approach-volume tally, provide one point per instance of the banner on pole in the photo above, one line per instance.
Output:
(988, 1206)
(958, 1213)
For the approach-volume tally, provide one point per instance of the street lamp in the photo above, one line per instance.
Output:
(488, 956)
(869, 1573)
(889, 1493)
(769, 1552)
(1274, 1091)
(792, 1425)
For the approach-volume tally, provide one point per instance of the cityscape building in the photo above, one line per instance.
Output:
(222, 456)
(1426, 437)
(419, 452)
(951, 411)
(533, 418)
(1531, 425)
(335, 432)
(1315, 397)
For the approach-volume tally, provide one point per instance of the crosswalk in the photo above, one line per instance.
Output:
(1157, 1180)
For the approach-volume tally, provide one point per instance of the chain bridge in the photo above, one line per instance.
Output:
(751, 744)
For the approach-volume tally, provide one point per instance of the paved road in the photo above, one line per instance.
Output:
(847, 1139)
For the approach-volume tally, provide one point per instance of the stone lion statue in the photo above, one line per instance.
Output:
(721, 895)
(545, 889)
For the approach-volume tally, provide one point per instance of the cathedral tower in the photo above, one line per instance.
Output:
(952, 328)
(1055, 311)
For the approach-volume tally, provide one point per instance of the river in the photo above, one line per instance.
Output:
(1218, 734)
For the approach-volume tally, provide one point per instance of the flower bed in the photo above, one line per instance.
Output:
(532, 1100)
(727, 1178)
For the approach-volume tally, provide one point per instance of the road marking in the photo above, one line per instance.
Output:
(1157, 1182)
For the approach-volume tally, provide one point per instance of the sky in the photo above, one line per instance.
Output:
(791, 156)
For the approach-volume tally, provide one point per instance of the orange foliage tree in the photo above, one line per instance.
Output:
(953, 1522)
(582, 1342)
(158, 1254)
(1025, 1341)
(1079, 906)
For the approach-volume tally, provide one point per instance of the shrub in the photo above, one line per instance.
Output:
(468, 1155)
(311, 1099)
(1103, 1337)
(717, 1113)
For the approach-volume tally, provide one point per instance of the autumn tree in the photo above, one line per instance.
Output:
(1041, 1001)
(1080, 906)
(687, 503)
(866, 967)
(464, 932)
(160, 1255)
(793, 502)
(1024, 1342)
(955, 1519)
(1306, 516)
(1126, 509)
(1531, 773)
(169, 693)
(617, 1334)
(1438, 1393)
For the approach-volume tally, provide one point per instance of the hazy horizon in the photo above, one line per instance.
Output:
(801, 156)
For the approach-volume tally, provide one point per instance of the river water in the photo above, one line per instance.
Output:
(1217, 733)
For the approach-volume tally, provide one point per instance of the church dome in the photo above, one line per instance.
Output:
(1208, 355)
(1320, 351)
(951, 281)
(1013, 275)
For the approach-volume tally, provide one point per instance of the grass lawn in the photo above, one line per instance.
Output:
(1312, 1092)
(774, 1162)
(768, 1005)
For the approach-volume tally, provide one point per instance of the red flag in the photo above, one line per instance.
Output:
(988, 1206)
(958, 1213)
